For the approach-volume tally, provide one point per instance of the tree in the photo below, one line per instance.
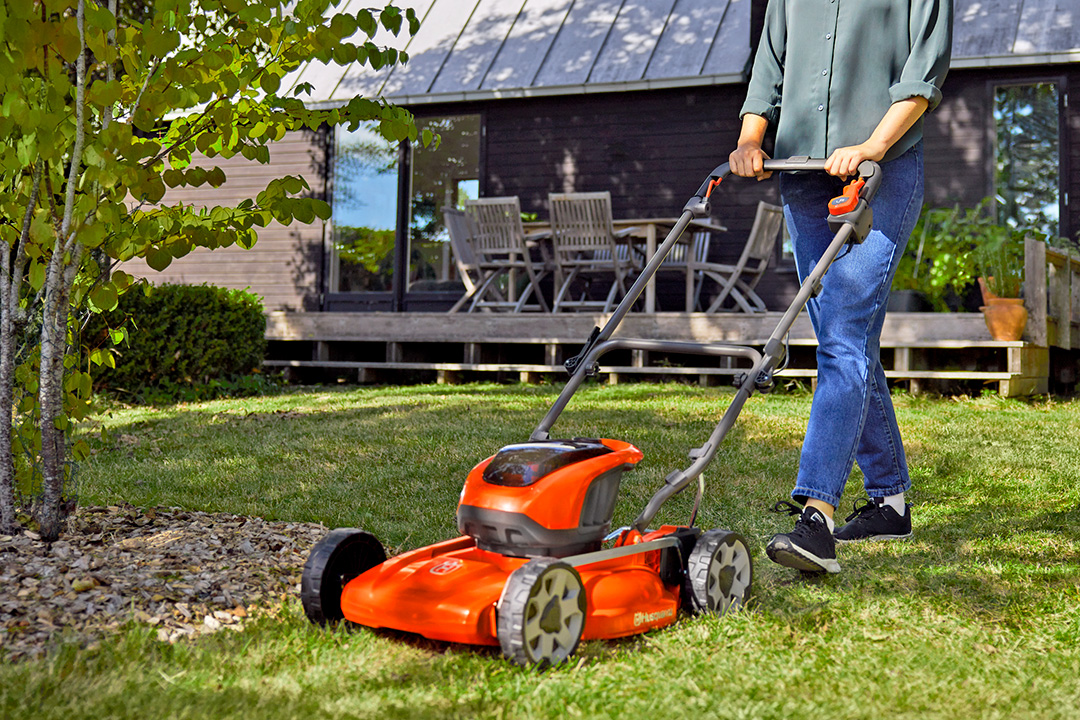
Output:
(103, 107)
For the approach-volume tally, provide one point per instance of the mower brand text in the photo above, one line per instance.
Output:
(644, 618)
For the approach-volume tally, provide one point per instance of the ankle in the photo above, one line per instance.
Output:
(825, 509)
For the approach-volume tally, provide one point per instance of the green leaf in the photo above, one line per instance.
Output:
(80, 451)
(158, 259)
(37, 275)
(104, 297)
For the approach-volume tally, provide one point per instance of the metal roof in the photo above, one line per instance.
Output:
(487, 49)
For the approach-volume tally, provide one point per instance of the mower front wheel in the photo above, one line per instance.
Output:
(719, 572)
(339, 557)
(541, 613)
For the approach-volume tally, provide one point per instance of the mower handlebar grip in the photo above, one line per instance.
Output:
(869, 171)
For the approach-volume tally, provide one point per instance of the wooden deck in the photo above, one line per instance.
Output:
(916, 347)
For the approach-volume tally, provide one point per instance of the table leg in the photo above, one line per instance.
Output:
(650, 250)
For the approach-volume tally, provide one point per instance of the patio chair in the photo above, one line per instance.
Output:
(586, 248)
(737, 281)
(501, 251)
(462, 230)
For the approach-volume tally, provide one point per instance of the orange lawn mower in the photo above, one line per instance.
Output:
(536, 570)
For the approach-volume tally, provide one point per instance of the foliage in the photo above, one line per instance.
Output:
(942, 258)
(1001, 263)
(178, 336)
(88, 158)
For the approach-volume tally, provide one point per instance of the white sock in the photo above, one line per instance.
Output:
(896, 502)
(829, 523)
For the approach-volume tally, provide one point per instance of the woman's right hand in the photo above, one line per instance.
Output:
(748, 160)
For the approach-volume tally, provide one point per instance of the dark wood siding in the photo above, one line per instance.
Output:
(285, 267)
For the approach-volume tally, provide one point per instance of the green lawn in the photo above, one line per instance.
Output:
(978, 616)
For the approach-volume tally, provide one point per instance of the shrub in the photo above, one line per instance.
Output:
(182, 341)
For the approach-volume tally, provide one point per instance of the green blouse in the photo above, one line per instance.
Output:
(826, 71)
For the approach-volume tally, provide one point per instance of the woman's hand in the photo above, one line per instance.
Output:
(748, 160)
(844, 162)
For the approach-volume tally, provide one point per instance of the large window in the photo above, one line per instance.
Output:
(366, 188)
(365, 211)
(1027, 156)
(445, 176)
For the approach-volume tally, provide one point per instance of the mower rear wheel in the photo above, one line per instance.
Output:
(719, 572)
(339, 557)
(541, 613)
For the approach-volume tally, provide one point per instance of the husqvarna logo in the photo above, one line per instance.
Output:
(446, 567)
(643, 618)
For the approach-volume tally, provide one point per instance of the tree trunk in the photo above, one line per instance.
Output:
(11, 272)
(51, 388)
(63, 265)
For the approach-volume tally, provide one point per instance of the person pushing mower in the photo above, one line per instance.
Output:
(848, 80)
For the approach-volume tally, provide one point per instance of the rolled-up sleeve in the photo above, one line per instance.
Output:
(927, 64)
(764, 93)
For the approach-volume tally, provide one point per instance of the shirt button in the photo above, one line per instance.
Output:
(824, 73)
(820, 107)
(828, 36)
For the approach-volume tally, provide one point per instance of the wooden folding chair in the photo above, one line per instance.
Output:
(501, 251)
(739, 280)
(586, 248)
(462, 230)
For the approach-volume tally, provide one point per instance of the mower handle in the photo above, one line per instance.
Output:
(869, 172)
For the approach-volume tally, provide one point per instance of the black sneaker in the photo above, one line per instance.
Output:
(874, 520)
(810, 547)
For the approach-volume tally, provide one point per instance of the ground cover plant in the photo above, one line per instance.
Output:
(978, 616)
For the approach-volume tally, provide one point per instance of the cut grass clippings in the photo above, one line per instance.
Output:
(978, 616)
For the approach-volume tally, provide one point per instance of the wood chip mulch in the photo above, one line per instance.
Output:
(183, 573)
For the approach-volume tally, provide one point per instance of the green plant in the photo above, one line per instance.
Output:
(1001, 263)
(182, 337)
(942, 256)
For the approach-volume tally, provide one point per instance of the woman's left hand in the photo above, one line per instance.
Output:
(845, 161)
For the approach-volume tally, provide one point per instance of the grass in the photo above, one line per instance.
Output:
(978, 616)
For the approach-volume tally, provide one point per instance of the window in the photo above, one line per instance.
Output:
(1027, 156)
(445, 176)
(364, 211)
(365, 203)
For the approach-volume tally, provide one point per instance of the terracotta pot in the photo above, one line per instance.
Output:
(987, 295)
(1005, 318)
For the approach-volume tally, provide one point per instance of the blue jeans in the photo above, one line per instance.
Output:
(852, 418)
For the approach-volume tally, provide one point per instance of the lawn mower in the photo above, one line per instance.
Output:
(536, 569)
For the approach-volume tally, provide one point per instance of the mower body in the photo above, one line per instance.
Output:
(551, 499)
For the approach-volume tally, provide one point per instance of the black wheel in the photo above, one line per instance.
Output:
(719, 572)
(335, 560)
(541, 613)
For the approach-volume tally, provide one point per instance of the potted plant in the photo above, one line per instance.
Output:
(1001, 279)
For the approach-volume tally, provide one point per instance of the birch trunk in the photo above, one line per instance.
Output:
(63, 265)
(11, 274)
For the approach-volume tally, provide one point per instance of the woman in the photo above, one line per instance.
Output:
(848, 80)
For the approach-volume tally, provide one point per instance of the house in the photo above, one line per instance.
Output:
(637, 97)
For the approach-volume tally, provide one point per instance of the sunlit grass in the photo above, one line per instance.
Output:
(978, 616)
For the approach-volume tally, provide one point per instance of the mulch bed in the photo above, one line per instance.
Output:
(183, 573)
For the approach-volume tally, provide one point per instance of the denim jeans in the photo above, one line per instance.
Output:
(851, 417)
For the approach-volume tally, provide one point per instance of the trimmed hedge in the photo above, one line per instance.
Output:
(180, 336)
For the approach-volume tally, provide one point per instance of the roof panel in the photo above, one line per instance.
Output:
(477, 47)
(687, 39)
(984, 27)
(731, 51)
(524, 51)
(631, 42)
(578, 43)
(1048, 26)
(430, 48)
